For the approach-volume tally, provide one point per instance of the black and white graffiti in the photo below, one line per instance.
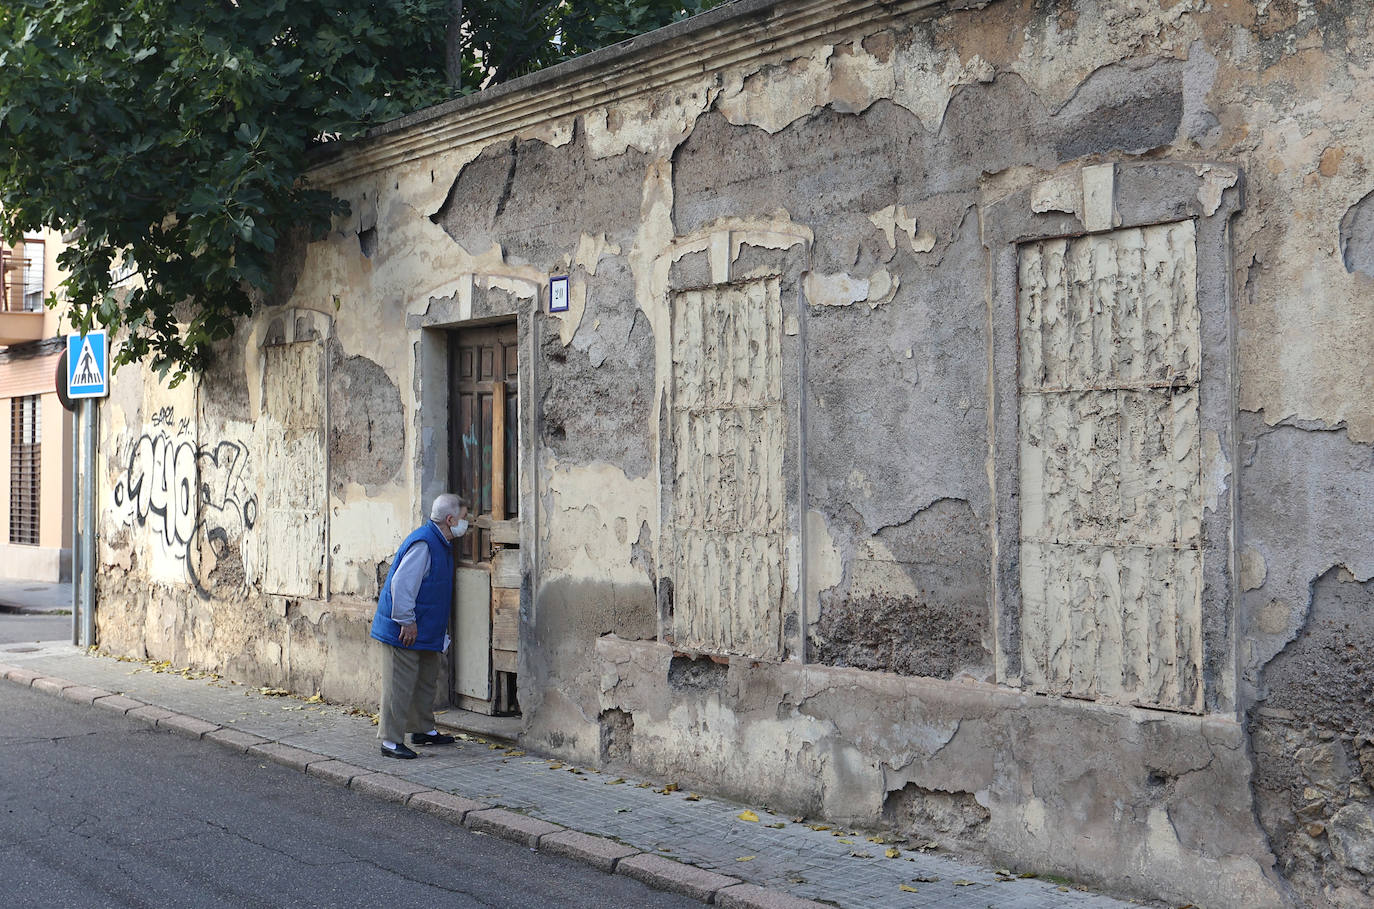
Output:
(187, 494)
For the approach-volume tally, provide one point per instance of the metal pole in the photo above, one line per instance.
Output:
(88, 406)
(76, 529)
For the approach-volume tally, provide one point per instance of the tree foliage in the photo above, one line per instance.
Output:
(168, 140)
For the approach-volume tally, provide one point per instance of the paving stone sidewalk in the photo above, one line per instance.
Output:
(637, 827)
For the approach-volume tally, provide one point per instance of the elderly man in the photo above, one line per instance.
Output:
(412, 624)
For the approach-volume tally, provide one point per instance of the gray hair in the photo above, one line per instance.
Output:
(445, 505)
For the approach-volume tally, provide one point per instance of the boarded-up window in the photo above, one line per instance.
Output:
(294, 480)
(25, 436)
(728, 514)
(1111, 499)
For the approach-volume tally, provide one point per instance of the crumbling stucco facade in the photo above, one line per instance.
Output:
(962, 421)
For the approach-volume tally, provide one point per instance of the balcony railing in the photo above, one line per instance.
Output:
(21, 293)
(21, 277)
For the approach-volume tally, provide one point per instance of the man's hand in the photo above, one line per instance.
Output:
(408, 633)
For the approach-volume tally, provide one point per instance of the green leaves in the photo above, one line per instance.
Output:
(170, 139)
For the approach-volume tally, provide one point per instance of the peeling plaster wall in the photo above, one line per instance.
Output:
(882, 165)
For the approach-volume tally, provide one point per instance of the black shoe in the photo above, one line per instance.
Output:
(431, 738)
(400, 751)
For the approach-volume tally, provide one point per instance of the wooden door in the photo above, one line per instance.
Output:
(484, 384)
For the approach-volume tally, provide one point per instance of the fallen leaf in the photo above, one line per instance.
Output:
(513, 753)
(819, 826)
(315, 699)
(893, 852)
(877, 839)
(926, 879)
(963, 883)
(747, 815)
(778, 826)
(905, 889)
(556, 766)
(856, 854)
(615, 782)
(692, 797)
(671, 787)
(746, 858)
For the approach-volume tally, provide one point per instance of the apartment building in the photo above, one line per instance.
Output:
(35, 484)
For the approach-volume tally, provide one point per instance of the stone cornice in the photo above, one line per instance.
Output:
(711, 42)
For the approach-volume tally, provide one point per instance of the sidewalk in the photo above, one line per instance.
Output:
(17, 595)
(710, 849)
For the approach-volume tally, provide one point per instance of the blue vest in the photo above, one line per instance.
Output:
(433, 600)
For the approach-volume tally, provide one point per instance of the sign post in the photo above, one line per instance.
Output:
(87, 376)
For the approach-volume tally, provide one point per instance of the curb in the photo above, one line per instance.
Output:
(603, 854)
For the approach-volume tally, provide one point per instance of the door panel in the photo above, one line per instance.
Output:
(472, 633)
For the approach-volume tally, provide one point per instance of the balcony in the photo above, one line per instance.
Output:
(21, 293)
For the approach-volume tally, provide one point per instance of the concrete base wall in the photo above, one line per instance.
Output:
(35, 563)
(1140, 801)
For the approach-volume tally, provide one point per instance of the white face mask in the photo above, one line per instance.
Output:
(459, 529)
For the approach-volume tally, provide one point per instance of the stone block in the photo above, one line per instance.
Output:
(84, 694)
(446, 805)
(150, 715)
(24, 677)
(336, 771)
(386, 786)
(666, 874)
(234, 740)
(189, 726)
(1351, 833)
(295, 758)
(51, 685)
(118, 703)
(597, 851)
(508, 825)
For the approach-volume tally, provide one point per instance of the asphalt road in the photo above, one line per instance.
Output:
(25, 629)
(100, 811)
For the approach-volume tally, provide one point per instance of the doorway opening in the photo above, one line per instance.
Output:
(484, 404)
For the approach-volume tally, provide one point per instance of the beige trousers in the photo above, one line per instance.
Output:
(409, 679)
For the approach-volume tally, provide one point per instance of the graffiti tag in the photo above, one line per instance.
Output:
(184, 493)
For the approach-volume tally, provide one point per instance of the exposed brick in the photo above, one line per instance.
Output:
(84, 694)
(189, 726)
(597, 851)
(51, 685)
(386, 786)
(234, 740)
(510, 826)
(750, 896)
(295, 758)
(446, 805)
(336, 771)
(118, 703)
(666, 874)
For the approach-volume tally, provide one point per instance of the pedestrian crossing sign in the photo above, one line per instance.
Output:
(88, 360)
